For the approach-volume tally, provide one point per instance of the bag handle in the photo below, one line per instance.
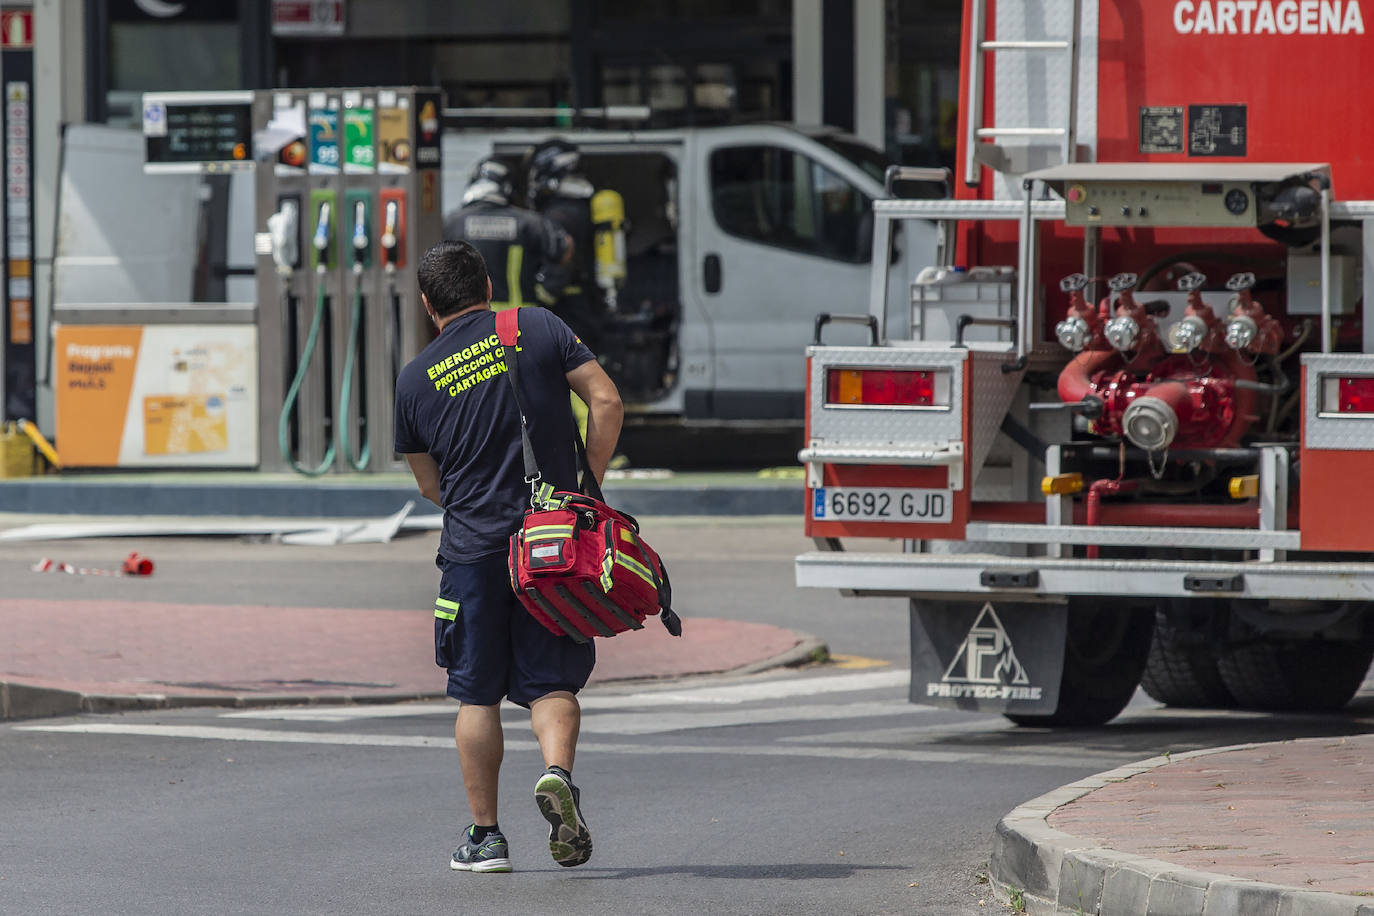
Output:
(507, 333)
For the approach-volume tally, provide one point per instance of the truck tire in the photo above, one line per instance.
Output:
(1182, 668)
(1105, 648)
(1291, 675)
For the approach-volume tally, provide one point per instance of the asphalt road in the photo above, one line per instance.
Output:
(814, 790)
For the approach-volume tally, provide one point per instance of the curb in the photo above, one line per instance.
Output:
(93, 497)
(24, 701)
(1056, 874)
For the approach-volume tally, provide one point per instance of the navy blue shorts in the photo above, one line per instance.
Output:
(491, 645)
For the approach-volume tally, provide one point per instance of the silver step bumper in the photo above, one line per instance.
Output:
(969, 576)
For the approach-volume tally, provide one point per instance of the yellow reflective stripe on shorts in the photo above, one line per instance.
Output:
(636, 567)
(445, 609)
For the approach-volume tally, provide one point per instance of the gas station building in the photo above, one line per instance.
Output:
(884, 71)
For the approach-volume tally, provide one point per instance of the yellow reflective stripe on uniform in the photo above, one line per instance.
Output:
(500, 306)
(515, 258)
(445, 609)
(636, 567)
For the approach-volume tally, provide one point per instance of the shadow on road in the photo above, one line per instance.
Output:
(799, 871)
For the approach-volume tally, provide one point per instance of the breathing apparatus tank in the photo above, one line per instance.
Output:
(608, 223)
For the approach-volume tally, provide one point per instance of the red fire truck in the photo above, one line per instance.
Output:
(1122, 427)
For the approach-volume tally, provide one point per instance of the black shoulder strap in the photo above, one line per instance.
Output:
(508, 333)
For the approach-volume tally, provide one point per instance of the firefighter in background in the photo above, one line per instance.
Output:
(516, 244)
(556, 190)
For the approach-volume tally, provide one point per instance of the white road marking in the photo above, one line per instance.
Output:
(593, 700)
(1000, 756)
(655, 723)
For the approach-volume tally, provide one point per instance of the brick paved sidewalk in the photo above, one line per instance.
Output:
(154, 654)
(1298, 813)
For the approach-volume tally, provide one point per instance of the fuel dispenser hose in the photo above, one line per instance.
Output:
(289, 403)
(355, 343)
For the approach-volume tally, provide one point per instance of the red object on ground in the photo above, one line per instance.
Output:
(135, 564)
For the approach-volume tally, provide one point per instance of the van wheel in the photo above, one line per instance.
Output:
(1309, 675)
(1105, 648)
(1182, 666)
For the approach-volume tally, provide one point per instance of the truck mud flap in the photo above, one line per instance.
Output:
(984, 656)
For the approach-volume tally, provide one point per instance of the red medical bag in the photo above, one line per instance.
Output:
(578, 566)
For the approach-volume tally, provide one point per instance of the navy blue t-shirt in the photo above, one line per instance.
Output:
(454, 402)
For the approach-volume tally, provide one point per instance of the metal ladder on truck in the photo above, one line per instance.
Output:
(979, 49)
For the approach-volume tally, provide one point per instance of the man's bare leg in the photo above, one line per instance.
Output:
(481, 746)
(556, 719)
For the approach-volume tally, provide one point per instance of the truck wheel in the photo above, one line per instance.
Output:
(1295, 674)
(1182, 668)
(1105, 648)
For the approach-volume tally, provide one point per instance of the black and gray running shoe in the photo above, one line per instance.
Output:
(492, 854)
(570, 843)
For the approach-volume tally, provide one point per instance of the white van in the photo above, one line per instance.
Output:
(737, 238)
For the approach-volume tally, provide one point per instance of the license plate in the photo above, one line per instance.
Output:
(882, 504)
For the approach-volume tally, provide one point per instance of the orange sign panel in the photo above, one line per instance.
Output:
(95, 373)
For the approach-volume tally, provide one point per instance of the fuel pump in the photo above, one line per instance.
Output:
(355, 350)
(284, 229)
(322, 255)
(361, 168)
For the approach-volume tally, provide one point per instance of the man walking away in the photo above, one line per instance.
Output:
(458, 426)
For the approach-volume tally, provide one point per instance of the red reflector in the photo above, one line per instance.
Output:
(880, 387)
(1357, 395)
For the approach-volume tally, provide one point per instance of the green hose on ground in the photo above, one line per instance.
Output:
(346, 390)
(289, 403)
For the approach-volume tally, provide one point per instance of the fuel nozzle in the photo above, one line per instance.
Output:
(321, 240)
(284, 228)
(361, 242)
(389, 237)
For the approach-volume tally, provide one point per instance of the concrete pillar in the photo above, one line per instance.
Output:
(59, 32)
(808, 75)
(870, 68)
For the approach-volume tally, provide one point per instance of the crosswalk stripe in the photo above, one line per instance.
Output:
(595, 699)
(1000, 756)
(655, 723)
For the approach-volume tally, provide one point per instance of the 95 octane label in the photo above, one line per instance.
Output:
(882, 504)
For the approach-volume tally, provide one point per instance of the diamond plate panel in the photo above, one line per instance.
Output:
(993, 391)
(1031, 87)
(1325, 431)
(858, 427)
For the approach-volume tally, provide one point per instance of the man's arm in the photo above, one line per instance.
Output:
(557, 243)
(604, 413)
(426, 473)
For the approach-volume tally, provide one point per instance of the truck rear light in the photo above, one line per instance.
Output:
(886, 388)
(1348, 395)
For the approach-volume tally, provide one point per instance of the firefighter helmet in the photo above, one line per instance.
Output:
(490, 182)
(549, 163)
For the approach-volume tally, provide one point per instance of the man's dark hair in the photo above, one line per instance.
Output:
(453, 276)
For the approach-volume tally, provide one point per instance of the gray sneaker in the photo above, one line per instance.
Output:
(492, 854)
(570, 843)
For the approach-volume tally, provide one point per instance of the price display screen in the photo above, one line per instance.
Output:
(186, 132)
